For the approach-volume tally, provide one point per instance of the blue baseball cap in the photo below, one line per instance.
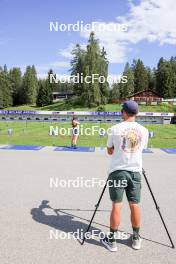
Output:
(130, 107)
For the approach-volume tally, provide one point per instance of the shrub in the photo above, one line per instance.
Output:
(101, 108)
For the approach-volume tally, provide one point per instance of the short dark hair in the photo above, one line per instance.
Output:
(129, 114)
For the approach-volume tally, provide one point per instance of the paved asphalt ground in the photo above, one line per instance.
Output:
(27, 220)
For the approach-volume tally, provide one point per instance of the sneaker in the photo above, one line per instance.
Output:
(73, 146)
(136, 242)
(112, 246)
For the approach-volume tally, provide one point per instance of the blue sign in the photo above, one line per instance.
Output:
(106, 113)
(18, 112)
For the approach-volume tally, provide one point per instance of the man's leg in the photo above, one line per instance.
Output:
(133, 193)
(115, 220)
(135, 218)
(115, 215)
(110, 240)
(135, 221)
(116, 196)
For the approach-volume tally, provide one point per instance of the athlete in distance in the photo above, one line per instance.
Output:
(75, 132)
(125, 144)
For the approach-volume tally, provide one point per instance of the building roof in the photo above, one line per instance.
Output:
(149, 90)
(63, 93)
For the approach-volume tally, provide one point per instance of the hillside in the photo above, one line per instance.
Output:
(62, 106)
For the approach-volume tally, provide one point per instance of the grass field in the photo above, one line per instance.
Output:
(62, 106)
(35, 133)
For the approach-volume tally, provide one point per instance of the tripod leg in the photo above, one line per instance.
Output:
(157, 208)
(96, 208)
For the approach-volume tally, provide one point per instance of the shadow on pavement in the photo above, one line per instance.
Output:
(62, 221)
(65, 222)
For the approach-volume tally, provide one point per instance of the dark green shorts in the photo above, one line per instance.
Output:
(120, 181)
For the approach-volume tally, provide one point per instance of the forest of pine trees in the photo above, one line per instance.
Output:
(17, 88)
(161, 79)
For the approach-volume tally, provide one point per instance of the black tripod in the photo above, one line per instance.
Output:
(157, 208)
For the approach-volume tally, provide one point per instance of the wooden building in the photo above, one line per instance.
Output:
(62, 95)
(146, 97)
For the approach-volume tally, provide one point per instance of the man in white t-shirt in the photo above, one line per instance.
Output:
(126, 142)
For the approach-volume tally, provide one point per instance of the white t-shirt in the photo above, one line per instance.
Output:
(128, 139)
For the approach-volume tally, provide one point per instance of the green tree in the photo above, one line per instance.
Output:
(42, 97)
(172, 88)
(30, 86)
(140, 76)
(92, 93)
(77, 68)
(16, 79)
(91, 62)
(45, 91)
(5, 89)
(127, 88)
(115, 92)
(163, 80)
(50, 87)
(104, 86)
(151, 79)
